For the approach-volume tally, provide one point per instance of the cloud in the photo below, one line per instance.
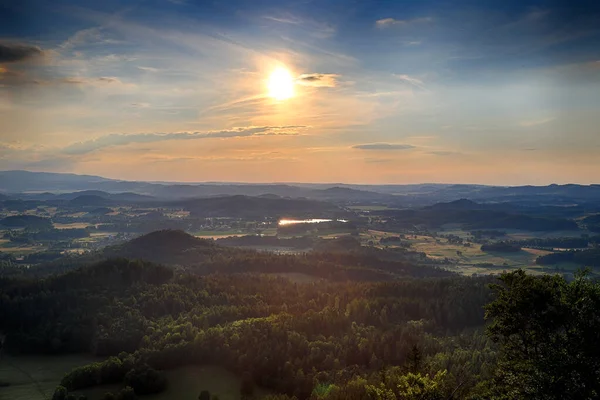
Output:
(15, 52)
(313, 27)
(99, 81)
(536, 122)
(442, 153)
(81, 37)
(370, 160)
(412, 80)
(148, 69)
(388, 22)
(383, 146)
(317, 80)
(118, 139)
(140, 105)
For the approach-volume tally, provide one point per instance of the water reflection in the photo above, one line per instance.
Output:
(284, 222)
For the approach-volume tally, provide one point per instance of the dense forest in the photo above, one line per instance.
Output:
(406, 338)
(590, 257)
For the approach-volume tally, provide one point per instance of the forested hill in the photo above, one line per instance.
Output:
(166, 246)
(409, 339)
(477, 216)
(259, 207)
(206, 256)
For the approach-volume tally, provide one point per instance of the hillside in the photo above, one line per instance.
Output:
(474, 215)
(415, 195)
(259, 207)
(167, 247)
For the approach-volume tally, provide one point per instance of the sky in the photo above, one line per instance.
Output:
(454, 91)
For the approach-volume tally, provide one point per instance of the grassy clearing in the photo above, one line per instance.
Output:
(470, 259)
(74, 225)
(219, 234)
(36, 377)
(17, 249)
(187, 383)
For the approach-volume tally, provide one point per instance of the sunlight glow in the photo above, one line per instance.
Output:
(281, 84)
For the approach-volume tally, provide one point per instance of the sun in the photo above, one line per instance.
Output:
(281, 84)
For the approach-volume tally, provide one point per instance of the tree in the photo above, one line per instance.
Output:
(126, 393)
(414, 359)
(548, 332)
(60, 393)
(204, 395)
(146, 380)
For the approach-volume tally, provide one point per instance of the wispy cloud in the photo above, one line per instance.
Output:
(148, 69)
(317, 80)
(389, 22)
(315, 28)
(411, 80)
(536, 122)
(118, 139)
(383, 146)
(140, 105)
(371, 160)
(99, 81)
(442, 153)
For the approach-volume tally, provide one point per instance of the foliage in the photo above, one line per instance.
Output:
(501, 247)
(146, 380)
(548, 329)
(589, 258)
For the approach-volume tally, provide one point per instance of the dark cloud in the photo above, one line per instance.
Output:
(118, 139)
(14, 52)
(383, 146)
(317, 80)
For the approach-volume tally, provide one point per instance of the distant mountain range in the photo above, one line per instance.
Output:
(57, 186)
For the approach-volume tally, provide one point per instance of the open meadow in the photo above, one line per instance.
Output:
(471, 259)
(35, 377)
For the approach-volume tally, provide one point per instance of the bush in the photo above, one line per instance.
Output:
(146, 380)
(60, 393)
(501, 247)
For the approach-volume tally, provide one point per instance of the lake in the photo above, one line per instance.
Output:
(284, 221)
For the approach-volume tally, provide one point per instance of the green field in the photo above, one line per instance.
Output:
(218, 234)
(73, 225)
(470, 259)
(16, 249)
(187, 383)
(35, 378)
